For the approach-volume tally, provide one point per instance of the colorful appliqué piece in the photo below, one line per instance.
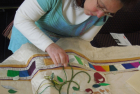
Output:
(91, 66)
(8, 87)
(23, 73)
(128, 66)
(135, 64)
(98, 78)
(59, 79)
(79, 60)
(98, 68)
(32, 68)
(75, 88)
(12, 73)
(89, 91)
(96, 85)
(104, 84)
(112, 68)
(12, 91)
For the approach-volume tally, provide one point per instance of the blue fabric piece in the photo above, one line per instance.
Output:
(23, 73)
(91, 66)
(128, 66)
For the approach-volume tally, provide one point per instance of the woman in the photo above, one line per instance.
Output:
(43, 22)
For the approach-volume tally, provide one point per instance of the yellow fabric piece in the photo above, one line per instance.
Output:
(106, 68)
(134, 81)
(48, 61)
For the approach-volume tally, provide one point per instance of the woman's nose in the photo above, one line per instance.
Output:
(100, 14)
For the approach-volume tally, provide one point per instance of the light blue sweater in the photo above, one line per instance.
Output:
(54, 25)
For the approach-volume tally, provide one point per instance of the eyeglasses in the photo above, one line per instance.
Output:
(104, 10)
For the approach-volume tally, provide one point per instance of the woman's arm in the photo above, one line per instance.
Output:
(24, 21)
(29, 12)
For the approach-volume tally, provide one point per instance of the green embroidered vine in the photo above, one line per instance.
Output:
(59, 86)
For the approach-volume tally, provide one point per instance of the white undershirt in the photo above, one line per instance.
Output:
(75, 15)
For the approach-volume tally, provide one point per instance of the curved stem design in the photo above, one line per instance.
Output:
(65, 83)
(70, 80)
(74, 76)
(65, 74)
(61, 85)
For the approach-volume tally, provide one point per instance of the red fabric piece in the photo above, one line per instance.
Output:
(99, 68)
(88, 90)
(98, 78)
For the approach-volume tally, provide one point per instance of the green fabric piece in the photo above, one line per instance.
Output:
(12, 73)
(112, 68)
(79, 60)
(12, 91)
(59, 79)
(104, 84)
(75, 88)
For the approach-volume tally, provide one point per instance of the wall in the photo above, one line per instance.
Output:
(6, 16)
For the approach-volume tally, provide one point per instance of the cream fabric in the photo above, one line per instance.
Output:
(81, 79)
(134, 81)
(80, 46)
(117, 81)
(22, 87)
(105, 53)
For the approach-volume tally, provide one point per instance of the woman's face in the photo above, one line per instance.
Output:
(99, 7)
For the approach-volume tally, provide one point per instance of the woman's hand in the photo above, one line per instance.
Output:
(57, 54)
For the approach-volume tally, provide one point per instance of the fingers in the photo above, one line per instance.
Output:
(64, 59)
(61, 58)
(57, 54)
(54, 60)
(57, 59)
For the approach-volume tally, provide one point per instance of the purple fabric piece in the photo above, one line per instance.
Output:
(31, 69)
(135, 64)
